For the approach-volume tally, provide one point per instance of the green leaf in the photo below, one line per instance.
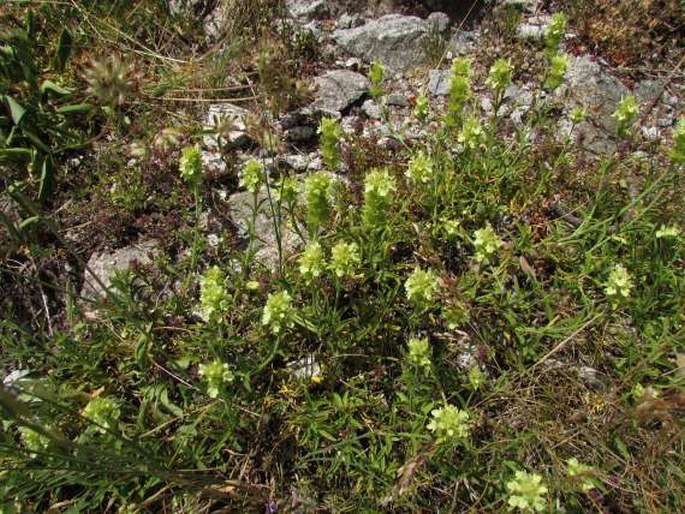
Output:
(15, 154)
(28, 223)
(36, 141)
(63, 50)
(74, 108)
(16, 110)
(47, 177)
(49, 85)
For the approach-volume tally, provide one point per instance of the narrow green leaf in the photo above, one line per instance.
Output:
(15, 154)
(74, 108)
(47, 177)
(63, 50)
(36, 141)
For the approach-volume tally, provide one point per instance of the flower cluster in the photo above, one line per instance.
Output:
(619, 283)
(213, 295)
(34, 441)
(555, 31)
(677, 153)
(286, 190)
(379, 185)
(419, 352)
(450, 425)
(580, 472)
(420, 169)
(487, 242)
(577, 115)
(376, 77)
(252, 176)
(190, 165)
(421, 286)
(460, 87)
(500, 74)
(312, 261)
(422, 108)
(557, 71)
(476, 378)
(627, 110)
(345, 259)
(667, 232)
(526, 492)
(317, 192)
(216, 374)
(279, 312)
(331, 134)
(103, 413)
(471, 133)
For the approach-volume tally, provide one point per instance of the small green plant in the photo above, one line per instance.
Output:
(450, 425)
(421, 287)
(677, 153)
(278, 313)
(214, 299)
(580, 473)
(499, 76)
(420, 170)
(527, 492)
(577, 115)
(557, 71)
(190, 166)
(627, 110)
(471, 134)
(331, 135)
(619, 284)
(379, 187)
(252, 176)
(555, 32)
(422, 108)
(318, 189)
(312, 261)
(35, 442)
(217, 374)
(487, 243)
(345, 259)
(104, 413)
(376, 76)
(419, 353)
(459, 91)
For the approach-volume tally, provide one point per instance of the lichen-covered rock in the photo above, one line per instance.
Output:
(106, 265)
(397, 41)
(227, 121)
(338, 90)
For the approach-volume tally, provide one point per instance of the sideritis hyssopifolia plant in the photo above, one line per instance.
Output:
(190, 166)
(526, 492)
(420, 170)
(557, 71)
(103, 412)
(214, 299)
(618, 285)
(278, 312)
(379, 186)
(376, 76)
(312, 261)
(317, 192)
(419, 353)
(499, 78)
(216, 374)
(345, 259)
(487, 242)
(450, 425)
(555, 32)
(459, 91)
(677, 153)
(421, 287)
(627, 110)
(331, 134)
(252, 176)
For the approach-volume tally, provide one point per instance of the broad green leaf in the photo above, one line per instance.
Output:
(49, 85)
(16, 110)
(36, 141)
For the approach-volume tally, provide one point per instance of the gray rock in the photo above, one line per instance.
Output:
(371, 109)
(241, 207)
(397, 100)
(213, 163)
(591, 86)
(647, 91)
(338, 90)
(528, 6)
(534, 29)
(395, 40)
(439, 82)
(228, 123)
(302, 163)
(462, 42)
(106, 265)
(347, 21)
(300, 134)
(438, 21)
(307, 368)
(307, 9)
